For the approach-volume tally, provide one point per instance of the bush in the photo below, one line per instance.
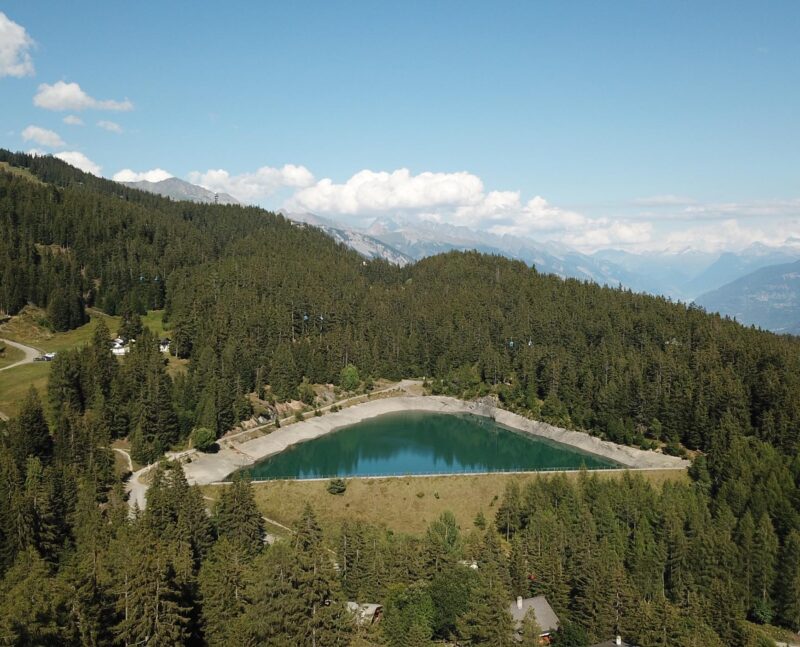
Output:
(306, 392)
(337, 486)
(349, 378)
(298, 416)
(203, 439)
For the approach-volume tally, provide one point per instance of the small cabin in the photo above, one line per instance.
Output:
(163, 345)
(546, 618)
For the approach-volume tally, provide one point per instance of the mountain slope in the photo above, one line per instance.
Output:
(180, 190)
(734, 265)
(420, 240)
(768, 298)
(366, 245)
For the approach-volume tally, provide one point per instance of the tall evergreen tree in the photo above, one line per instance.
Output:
(237, 518)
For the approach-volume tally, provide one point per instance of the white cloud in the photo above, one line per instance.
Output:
(80, 161)
(15, 59)
(70, 96)
(603, 233)
(252, 187)
(153, 175)
(451, 198)
(110, 126)
(374, 192)
(731, 235)
(42, 136)
(73, 120)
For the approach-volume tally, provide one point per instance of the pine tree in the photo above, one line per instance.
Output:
(103, 364)
(176, 511)
(442, 542)
(221, 581)
(509, 514)
(29, 433)
(149, 581)
(408, 611)
(487, 620)
(86, 576)
(764, 560)
(284, 376)
(237, 517)
(530, 631)
(788, 589)
(31, 603)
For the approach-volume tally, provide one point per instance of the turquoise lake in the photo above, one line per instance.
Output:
(414, 442)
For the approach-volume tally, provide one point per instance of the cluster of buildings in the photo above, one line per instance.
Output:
(120, 346)
(370, 614)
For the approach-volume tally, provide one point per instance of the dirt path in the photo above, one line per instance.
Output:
(126, 454)
(30, 354)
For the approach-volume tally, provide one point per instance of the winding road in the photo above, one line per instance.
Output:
(30, 354)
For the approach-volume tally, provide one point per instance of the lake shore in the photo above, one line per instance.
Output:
(205, 469)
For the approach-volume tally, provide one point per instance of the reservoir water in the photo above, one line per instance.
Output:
(414, 442)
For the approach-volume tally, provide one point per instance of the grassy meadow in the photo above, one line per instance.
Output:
(406, 504)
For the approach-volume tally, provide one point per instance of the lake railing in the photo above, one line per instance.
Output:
(388, 475)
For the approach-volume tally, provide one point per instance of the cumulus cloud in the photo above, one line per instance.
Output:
(42, 136)
(252, 187)
(15, 45)
(110, 126)
(373, 192)
(153, 175)
(603, 233)
(73, 120)
(70, 96)
(80, 161)
(451, 198)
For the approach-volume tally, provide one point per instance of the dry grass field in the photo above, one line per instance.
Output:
(406, 504)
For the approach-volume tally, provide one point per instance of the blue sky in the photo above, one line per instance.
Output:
(626, 124)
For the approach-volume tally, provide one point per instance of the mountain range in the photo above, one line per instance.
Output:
(181, 190)
(768, 298)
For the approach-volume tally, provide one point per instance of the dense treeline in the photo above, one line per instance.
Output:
(76, 236)
(663, 566)
(629, 366)
(255, 301)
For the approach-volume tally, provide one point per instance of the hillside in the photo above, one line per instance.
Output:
(768, 298)
(260, 309)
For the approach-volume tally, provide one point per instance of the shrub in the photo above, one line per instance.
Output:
(337, 486)
(203, 438)
(349, 378)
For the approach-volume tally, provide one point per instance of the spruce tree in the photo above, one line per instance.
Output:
(788, 589)
(221, 581)
(29, 433)
(237, 517)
